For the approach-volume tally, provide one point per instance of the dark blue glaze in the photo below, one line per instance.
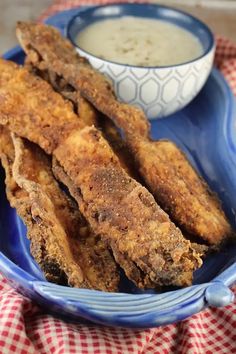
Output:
(205, 131)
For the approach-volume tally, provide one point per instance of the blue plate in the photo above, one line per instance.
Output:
(206, 131)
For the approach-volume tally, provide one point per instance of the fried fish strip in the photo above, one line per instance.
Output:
(132, 271)
(86, 112)
(61, 241)
(125, 213)
(17, 197)
(18, 88)
(165, 169)
(89, 116)
(117, 207)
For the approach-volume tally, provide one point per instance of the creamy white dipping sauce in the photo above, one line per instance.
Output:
(139, 41)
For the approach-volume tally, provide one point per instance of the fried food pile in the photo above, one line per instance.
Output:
(167, 173)
(62, 242)
(91, 200)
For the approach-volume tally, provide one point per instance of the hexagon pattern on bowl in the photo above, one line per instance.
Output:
(158, 91)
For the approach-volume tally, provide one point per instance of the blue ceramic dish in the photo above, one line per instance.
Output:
(206, 131)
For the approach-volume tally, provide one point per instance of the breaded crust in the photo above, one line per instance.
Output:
(181, 192)
(17, 197)
(61, 241)
(89, 116)
(131, 270)
(117, 207)
(165, 169)
(21, 93)
(124, 213)
(47, 49)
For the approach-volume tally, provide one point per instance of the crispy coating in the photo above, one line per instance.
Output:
(124, 213)
(132, 271)
(61, 241)
(22, 92)
(47, 49)
(165, 169)
(17, 197)
(116, 206)
(119, 146)
(89, 116)
(66, 234)
(181, 192)
(86, 112)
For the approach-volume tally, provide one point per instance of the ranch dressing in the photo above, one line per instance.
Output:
(139, 41)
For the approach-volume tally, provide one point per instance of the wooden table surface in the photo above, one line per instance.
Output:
(221, 19)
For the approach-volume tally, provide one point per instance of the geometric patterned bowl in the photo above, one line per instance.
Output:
(206, 131)
(158, 91)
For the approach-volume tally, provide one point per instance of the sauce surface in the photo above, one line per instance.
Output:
(138, 41)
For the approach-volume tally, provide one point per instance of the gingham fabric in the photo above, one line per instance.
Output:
(25, 328)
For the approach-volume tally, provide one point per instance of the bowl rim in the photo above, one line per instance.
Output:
(89, 9)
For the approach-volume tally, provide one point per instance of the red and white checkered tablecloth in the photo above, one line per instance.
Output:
(26, 328)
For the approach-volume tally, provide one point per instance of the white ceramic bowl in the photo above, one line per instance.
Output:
(159, 91)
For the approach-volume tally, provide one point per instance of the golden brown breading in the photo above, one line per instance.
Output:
(167, 172)
(72, 243)
(203, 250)
(47, 49)
(132, 271)
(21, 92)
(119, 146)
(180, 191)
(88, 116)
(17, 197)
(86, 112)
(117, 207)
(124, 213)
(61, 241)
(20, 200)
